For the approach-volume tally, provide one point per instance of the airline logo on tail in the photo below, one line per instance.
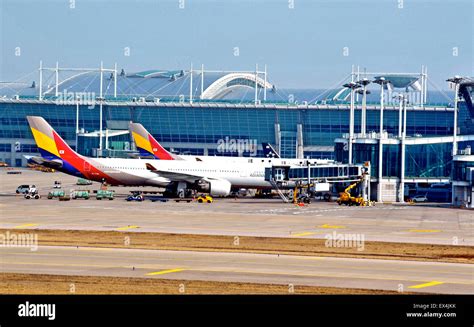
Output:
(269, 151)
(54, 150)
(50, 144)
(147, 145)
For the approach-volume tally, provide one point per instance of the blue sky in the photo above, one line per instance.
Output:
(303, 47)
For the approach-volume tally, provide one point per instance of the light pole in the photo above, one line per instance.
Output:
(77, 121)
(352, 86)
(256, 84)
(382, 82)
(456, 80)
(363, 124)
(401, 99)
(401, 196)
(101, 100)
(191, 84)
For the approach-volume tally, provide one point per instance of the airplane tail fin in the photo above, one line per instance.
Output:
(51, 146)
(269, 151)
(56, 153)
(147, 145)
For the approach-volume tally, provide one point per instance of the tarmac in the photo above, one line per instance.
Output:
(394, 275)
(245, 216)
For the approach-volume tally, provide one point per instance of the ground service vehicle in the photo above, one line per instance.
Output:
(80, 194)
(22, 189)
(83, 181)
(204, 199)
(347, 199)
(419, 198)
(104, 194)
(135, 196)
(32, 195)
(57, 193)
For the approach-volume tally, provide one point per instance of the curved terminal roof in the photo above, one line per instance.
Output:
(224, 84)
(150, 84)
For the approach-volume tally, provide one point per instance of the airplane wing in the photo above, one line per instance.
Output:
(175, 176)
(215, 186)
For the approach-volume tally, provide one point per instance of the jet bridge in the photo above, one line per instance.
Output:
(320, 177)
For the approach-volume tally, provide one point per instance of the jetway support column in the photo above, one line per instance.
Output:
(299, 141)
(278, 138)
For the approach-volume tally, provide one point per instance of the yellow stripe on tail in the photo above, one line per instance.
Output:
(45, 142)
(141, 142)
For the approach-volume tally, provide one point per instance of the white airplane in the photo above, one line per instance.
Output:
(216, 177)
(148, 147)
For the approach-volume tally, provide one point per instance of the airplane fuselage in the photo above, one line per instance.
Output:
(134, 172)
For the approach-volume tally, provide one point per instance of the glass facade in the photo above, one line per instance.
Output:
(116, 143)
(421, 160)
(5, 147)
(460, 171)
(197, 130)
(391, 160)
(367, 152)
(428, 160)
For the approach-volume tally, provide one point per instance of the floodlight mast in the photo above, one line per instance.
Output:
(353, 87)
(402, 132)
(456, 80)
(363, 125)
(382, 82)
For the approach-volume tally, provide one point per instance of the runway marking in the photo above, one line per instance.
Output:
(331, 226)
(433, 283)
(329, 275)
(166, 261)
(128, 227)
(302, 234)
(162, 272)
(25, 225)
(424, 230)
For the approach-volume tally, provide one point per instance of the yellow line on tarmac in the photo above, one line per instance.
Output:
(433, 283)
(128, 227)
(162, 272)
(424, 230)
(330, 275)
(303, 234)
(25, 225)
(331, 226)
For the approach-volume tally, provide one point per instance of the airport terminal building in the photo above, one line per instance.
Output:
(195, 111)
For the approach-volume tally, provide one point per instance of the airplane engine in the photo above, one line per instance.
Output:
(219, 188)
(215, 187)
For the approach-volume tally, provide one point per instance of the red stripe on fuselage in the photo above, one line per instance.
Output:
(80, 162)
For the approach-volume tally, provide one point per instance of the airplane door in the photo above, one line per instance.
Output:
(279, 174)
(87, 166)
